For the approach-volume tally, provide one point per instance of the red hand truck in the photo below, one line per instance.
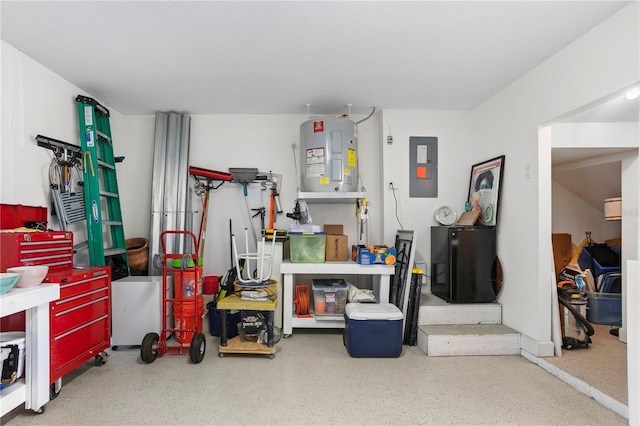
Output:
(187, 304)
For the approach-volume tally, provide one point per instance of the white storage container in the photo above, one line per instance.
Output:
(13, 338)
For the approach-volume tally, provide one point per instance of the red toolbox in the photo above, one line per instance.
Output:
(17, 215)
(51, 248)
(80, 321)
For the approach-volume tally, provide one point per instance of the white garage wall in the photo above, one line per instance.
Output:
(453, 130)
(601, 62)
(220, 142)
(572, 215)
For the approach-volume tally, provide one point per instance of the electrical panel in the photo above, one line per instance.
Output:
(423, 166)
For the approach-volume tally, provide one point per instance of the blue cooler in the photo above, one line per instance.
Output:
(373, 330)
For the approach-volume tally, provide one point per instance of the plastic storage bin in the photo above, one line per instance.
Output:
(373, 330)
(329, 297)
(215, 321)
(307, 247)
(605, 259)
(13, 338)
(604, 308)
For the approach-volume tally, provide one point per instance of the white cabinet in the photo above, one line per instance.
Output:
(349, 267)
(33, 389)
(136, 308)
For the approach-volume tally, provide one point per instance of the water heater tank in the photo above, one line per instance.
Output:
(328, 148)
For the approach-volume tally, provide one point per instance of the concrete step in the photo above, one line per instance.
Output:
(468, 339)
(435, 311)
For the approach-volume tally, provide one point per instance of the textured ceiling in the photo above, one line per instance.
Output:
(273, 57)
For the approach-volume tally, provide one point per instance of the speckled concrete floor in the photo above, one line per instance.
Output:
(312, 380)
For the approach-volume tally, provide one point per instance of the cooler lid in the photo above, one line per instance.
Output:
(12, 337)
(373, 311)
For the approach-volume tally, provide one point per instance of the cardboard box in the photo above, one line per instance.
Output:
(334, 229)
(614, 242)
(561, 251)
(337, 248)
(371, 255)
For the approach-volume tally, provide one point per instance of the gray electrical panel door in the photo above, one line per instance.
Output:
(423, 166)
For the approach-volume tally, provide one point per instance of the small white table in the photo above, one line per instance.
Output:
(33, 389)
(349, 267)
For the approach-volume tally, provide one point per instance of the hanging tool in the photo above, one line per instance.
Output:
(261, 211)
(204, 184)
(245, 176)
(300, 212)
(66, 155)
(362, 212)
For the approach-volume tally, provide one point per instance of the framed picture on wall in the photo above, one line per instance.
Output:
(484, 189)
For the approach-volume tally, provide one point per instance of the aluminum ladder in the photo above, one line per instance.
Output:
(105, 231)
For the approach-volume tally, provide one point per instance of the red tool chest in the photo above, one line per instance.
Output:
(51, 248)
(80, 321)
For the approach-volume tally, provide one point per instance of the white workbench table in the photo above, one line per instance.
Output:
(33, 389)
(349, 267)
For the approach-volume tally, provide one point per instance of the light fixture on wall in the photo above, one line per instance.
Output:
(633, 93)
(613, 208)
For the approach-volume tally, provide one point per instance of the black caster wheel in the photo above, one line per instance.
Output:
(197, 348)
(53, 393)
(221, 355)
(149, 348)
(101, 359)
(272, 356)
(40, 410)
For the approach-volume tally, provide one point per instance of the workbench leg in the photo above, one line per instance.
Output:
(223, 327)
(270, 316)
(287, 306)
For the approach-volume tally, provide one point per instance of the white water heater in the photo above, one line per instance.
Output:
(328, 155)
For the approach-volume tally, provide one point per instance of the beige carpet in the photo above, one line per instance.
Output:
(602, 365)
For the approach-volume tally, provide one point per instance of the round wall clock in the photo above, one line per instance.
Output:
(446, 216)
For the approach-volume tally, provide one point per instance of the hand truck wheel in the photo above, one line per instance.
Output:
(197, 348)
(158, 261)
(149, 348)
(185, 261)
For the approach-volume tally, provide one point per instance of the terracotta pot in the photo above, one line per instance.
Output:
(138, 253)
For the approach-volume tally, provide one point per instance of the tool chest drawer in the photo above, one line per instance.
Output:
(80, 282)
(80, 321)
(70, 314)
(53, 248)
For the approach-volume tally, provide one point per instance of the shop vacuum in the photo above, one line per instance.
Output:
(577, 330)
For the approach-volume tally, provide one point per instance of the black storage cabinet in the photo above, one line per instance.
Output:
(463, 263)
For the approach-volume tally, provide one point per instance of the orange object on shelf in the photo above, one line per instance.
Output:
(302, 301)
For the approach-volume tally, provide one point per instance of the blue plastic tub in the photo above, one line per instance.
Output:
(604, 308)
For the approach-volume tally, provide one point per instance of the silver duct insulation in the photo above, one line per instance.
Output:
(170, 197)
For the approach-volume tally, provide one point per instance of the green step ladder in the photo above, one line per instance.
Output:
(105, 233)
